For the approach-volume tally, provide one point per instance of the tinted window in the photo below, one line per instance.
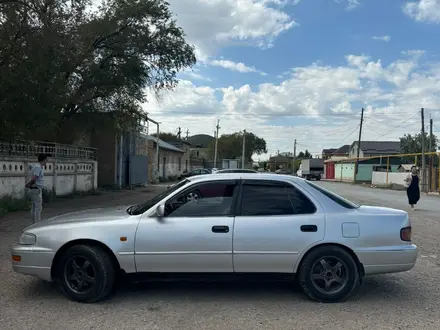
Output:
(274, 200)
(202, 200)
(141, 208)
(335, 198)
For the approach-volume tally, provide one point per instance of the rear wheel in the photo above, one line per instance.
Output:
(329, 274)
(86, 273)
(193, 196)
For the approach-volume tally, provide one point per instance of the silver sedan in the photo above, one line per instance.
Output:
(229, 224)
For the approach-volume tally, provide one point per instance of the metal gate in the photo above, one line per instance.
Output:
(138, 170)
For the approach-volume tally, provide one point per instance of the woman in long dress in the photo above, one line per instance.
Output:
(413, 190)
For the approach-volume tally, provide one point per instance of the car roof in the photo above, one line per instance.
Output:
(246, 176)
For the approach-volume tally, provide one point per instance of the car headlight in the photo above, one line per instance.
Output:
(27, 239)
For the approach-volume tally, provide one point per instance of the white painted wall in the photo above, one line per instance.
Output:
(380, 178)
(63, 176)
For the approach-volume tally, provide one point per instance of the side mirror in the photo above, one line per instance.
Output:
(160, 211)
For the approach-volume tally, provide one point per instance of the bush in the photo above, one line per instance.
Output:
(9, 204)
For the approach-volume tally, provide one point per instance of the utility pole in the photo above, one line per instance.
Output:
(294, 157)
(430, 155)
(179, 133)
(216, 142)
(243, 152)
(359, 146)
(423, 151)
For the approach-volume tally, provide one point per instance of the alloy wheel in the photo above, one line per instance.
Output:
(79, 274)
(329, 275)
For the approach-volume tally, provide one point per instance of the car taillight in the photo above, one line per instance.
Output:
(405, 234)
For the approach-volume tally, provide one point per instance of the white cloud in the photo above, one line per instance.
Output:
(351, 4)
(382, 38)
(213, 24)
(235, 66)
(423, 10)
(331, 97)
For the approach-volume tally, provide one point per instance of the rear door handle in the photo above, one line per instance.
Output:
(309, 228)
(220, 229)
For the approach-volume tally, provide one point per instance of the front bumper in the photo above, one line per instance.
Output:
(383, 260)
(33, 261)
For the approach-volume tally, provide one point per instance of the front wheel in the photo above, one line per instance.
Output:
(86, 273)
(329, 274)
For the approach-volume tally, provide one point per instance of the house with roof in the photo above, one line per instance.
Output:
(331, 157)
(327, 153)
(374, 148)
(279, 162)
(373, 157)
(173, 156)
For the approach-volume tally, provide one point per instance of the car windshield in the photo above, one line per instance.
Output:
(141, 208)
(334, 197)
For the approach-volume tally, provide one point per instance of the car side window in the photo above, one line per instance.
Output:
(269, 199)
(203, 200)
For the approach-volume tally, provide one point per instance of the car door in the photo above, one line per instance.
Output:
(275, 221)
(195, 234)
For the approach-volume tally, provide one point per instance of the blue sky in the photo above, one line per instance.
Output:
(289, 69)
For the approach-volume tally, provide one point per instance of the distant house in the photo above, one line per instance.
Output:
(327, 153)
(200, 144)
(329, 159)
(342, 151)
(374, 148)
(405, 167)
(377, 150)
(279, 161)
(173, 156)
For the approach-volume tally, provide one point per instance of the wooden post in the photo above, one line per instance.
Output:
(388, 165)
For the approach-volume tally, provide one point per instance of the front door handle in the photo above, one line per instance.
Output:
(220, 229)
(309, 228)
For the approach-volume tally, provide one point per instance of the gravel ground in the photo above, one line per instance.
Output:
(400, 301)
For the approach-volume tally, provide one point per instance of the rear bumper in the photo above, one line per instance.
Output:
(385, 260)
(33, 261)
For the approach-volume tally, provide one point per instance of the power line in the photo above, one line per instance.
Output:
(400, 125)
(374, 130)
(289, 114)
(349, 135)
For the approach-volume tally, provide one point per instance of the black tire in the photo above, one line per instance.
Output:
(99, 265)
(195, 193)
(311, 283)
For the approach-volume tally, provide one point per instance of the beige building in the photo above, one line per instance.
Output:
(173, 157)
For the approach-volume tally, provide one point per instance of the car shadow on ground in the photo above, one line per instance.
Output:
(382, 287)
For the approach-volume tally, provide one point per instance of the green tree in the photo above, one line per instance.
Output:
(62, 58)
(166, 136)
(304, 154)
(230, 146)
(410, 144)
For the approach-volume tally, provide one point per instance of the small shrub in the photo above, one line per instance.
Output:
(9, 204)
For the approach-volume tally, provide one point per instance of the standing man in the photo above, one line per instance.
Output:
(35, 188)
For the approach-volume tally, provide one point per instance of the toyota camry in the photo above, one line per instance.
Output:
(228, 224)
